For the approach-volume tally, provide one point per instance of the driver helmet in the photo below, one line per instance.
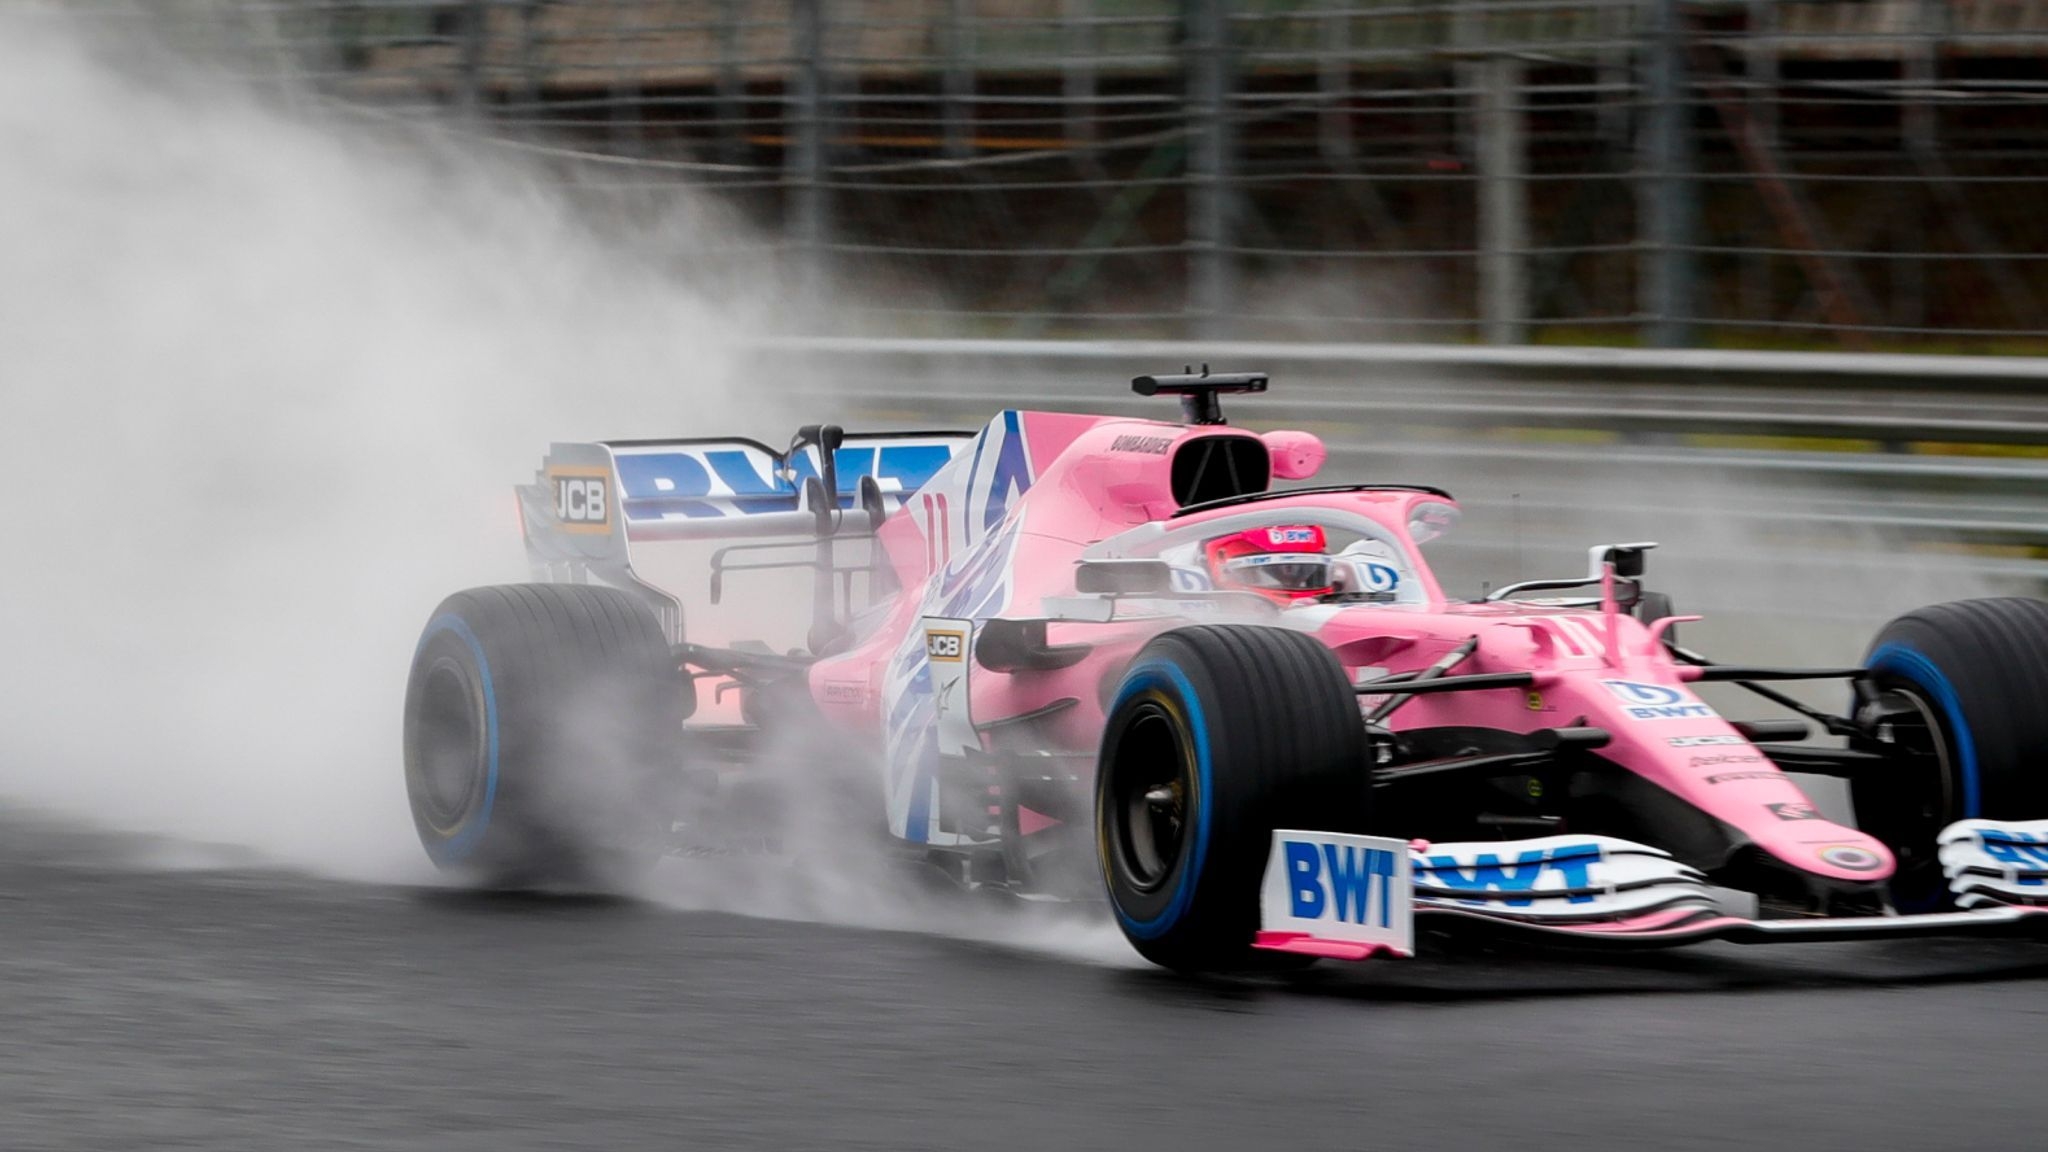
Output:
(1282, 562)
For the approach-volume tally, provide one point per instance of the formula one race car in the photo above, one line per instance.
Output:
(1074, 655)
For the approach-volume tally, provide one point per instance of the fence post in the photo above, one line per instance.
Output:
(1503, 203)
(469, 94)
(1667, 200)
(732, 88)
(529, 57)
(1922, 72)
(956, 81)
(1078, 49)
(629, 107)
(1211, 154)
(1761, 101)
(804, 156)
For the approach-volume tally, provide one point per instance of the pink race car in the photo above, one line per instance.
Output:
(1078, 655)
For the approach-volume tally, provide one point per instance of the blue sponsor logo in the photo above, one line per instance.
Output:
(2022, 851)
(1487, 873)
(1655, 701)
(1008, 474)
(1191, 580)
(1630, 692)
(1341, 882)
(1380, 577)
(699, 482)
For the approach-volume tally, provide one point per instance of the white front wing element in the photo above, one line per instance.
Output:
(1992, 862)
(1342, 897)
(1557, 880)
(1331, 886)
(1365, 891)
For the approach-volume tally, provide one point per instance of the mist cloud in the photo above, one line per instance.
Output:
(268, 377)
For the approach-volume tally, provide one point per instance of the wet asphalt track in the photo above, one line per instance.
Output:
(259, 1010)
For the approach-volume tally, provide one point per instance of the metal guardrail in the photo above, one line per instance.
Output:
(2019, 372)
(1934, 469)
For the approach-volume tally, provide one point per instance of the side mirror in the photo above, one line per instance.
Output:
(1296, 455)
(1628, 558)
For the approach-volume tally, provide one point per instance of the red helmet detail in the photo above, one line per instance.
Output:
(1282, 562)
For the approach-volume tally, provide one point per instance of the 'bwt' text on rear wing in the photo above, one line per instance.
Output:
(590, 504)
(669, 489)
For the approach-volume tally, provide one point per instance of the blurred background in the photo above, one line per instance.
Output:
(1548, 252)
(1841, 174)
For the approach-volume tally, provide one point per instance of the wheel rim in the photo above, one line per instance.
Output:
(450, 763)
(1151, 780)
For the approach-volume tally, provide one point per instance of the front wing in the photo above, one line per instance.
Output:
(1351, 897)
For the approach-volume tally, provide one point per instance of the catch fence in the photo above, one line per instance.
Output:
(1848, 173)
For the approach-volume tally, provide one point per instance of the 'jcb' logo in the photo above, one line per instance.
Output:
(582, 502)
(944, 645)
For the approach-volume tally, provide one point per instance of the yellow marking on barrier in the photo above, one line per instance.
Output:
(1554, 435)
(1948, 448)
(1505, 432)
(1748, 442)
(1426, 432)
(1991, 551)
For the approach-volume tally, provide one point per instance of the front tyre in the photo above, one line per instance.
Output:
(541, 724)
(1961, 710)
(1217, 735)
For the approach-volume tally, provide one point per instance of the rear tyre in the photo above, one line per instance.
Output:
(541, 726)
(1962, 695)
(1216, 736)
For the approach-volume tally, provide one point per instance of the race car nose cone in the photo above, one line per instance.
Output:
(1827, 851)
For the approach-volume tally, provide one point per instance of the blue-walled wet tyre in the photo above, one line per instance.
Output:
(541, 725)
(1216, 736)
(1962, 710)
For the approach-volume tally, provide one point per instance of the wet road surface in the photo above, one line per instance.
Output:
(255, 1009)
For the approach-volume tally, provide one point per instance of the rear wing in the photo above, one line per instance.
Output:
(588, 500)
(696, 488)
(591, 504)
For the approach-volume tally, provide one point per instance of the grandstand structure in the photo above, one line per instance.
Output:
(1837, 173)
